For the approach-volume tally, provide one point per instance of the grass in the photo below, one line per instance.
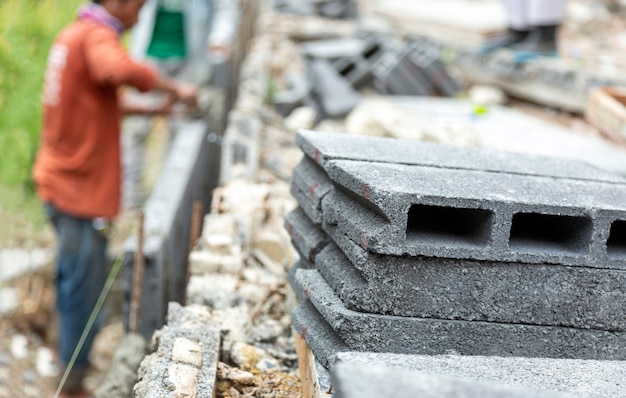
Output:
(27, 29)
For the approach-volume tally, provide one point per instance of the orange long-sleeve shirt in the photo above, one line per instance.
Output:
(78, 168)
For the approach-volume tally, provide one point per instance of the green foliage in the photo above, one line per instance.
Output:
(27, 29)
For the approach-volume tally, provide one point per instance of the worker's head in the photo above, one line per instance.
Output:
(127, 11)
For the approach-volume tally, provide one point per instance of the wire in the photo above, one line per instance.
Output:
(92, 318)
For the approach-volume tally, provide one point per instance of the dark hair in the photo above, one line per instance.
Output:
(96, 1)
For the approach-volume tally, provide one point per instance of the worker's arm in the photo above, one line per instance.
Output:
(177, 90)
(110, 64)
(130, 106)
(180, 90)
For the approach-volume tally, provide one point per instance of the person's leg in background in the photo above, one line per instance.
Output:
(544, 19)
(80, 276)
(518, 26)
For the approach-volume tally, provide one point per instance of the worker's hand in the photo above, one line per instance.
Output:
(166, 105)
(187, 92)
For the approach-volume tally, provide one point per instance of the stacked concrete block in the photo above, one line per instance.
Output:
(429, 62)
(358, 69)
(338, 67)
(296, 94)
(334, 94)
(396, 73)
(431, 336)
(309, 186)
(427, 249)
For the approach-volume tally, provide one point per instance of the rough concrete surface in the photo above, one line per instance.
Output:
(189, 338)
(311, 179)
(324, 147)
(583, 378)
(481, 216)
(384, 333)
(503, 200)
(360, 380)
(122, 374)
(430, 287)
(314, 213)
(317, 333)
(291, 277)
(307, 238)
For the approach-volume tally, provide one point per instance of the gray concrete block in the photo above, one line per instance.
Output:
(312, 180)
(307, 238)
(183, 179)
(295, 95)
(358, 69)
(291, 278)
(325, 147)
(122, 374)
(427, 59)
(482, 215)
(359, 380)
(404, 335)
(395, 73)
(241, 146)
(428, 287)
(587, 378)
(317, 333)
(304, 202)
(334, 93)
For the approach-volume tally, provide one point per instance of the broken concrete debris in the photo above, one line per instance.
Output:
(335, 95)
(338, 67)
(524, 296)
(184, 361)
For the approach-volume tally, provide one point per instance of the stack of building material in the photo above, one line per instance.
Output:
(338, 69)
(418, 248)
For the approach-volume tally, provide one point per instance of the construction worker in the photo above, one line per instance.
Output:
(77, 170)
(532, 29)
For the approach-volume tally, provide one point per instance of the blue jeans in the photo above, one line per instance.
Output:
(81, 264)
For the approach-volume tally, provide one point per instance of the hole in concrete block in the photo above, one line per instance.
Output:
(459, 227)
(371, 51)
(346, 69)
(616, 245)
(240, 153)
(534, 232)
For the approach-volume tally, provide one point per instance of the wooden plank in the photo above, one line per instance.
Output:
(606, 110)
(308, 374)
